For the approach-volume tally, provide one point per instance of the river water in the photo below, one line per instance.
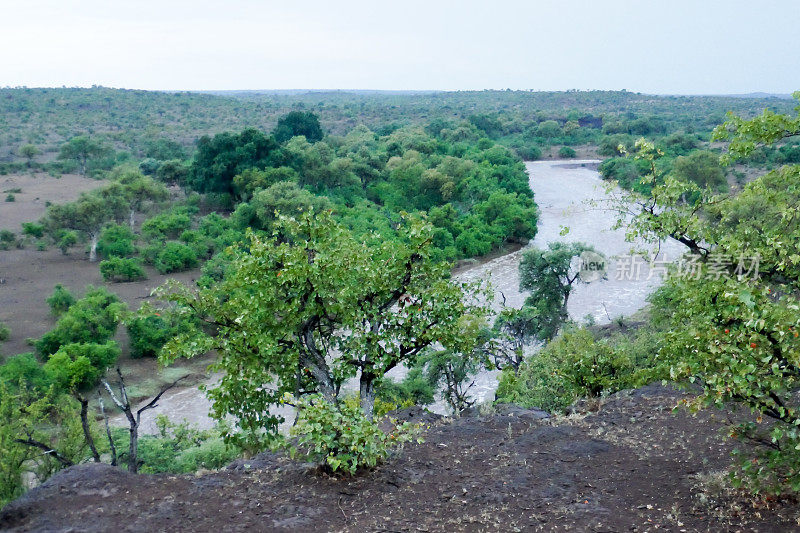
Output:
(563, 190)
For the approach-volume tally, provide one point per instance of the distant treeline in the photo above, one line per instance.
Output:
(135, 122)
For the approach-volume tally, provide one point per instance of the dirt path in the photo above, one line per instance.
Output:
(631, 466)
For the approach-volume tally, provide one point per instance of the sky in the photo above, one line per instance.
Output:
(651, 46)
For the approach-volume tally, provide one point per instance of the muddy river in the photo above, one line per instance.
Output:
(562, 190)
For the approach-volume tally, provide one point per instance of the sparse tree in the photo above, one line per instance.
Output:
(29, 151)
(87, 215)
(134, 418)
(139, 190)
(81, 149)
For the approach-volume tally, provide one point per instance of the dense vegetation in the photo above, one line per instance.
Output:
(728, 323)
(35, 123)
(325, 227)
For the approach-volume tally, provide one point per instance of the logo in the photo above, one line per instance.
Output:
(592, 267)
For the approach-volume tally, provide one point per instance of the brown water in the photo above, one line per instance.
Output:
(562, 190)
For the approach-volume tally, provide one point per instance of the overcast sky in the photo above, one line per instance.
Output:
(675, 46)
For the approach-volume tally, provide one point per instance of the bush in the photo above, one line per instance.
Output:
(117, 269)
(7, 236)
(414, 389)
(529, 153)
(33, 229)
(166, 225)
(566, 152)
(178, 448)
(60, 300)
(24, 368)
(5, 332)
(175, 257)
(340, 437)
(92, 319)
(68, 240)
(116, 241)
(149, 332)
(576, 365)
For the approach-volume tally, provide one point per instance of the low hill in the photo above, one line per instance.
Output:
(627, 463)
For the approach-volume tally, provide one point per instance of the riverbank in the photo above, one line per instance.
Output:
(563, 190)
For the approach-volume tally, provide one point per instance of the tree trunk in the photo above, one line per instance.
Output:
(324, 382)
(367, 394)
(133, 449)
(111, 445)
(87, 433)
(132, 219)
(93, 247)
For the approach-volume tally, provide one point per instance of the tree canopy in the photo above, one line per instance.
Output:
(303, 313)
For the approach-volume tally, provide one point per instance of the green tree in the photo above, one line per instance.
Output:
(29, 151)
(92, 319)
(60, 300)
(251, 180)
(297, 123)
(550, 275)
(173, 172)
(306, 312)
(702, 168)
(549, 129)
(452, 370)
(88, 215)
(218, 159)
(82, 150)
(39, 434)
(730, 330)
(138, 191)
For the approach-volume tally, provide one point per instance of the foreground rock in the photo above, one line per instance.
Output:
(629, 465)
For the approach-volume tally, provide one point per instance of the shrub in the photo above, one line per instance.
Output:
(148, 333)
(529, 153)
(80, 365)
(166, 225)
(174, 257)
(178, 448)
(116, 241)
(33, 229)
(118, 269)
(60, 300)
(149, 166)
(92, 319)
(566, 152)
(68, 240)
(340, 437)
(414, 389)
(10, 198)
(5, 332)
(24, 368)
(576, 365)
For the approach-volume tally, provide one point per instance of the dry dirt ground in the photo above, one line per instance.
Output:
(38, 189)
(631, 465)
(27, 278)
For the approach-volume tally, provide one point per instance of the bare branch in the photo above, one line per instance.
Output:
(154, 401)
(47, 450)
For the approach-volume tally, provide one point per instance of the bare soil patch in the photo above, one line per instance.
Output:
(29, 277)
(38, 189)
(631, 465)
